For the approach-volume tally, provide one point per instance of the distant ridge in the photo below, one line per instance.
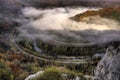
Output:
(61, 3)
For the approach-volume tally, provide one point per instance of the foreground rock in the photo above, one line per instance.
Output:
(109, 67)
(34, 75)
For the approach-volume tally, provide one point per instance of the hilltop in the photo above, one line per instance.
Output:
(111, 13)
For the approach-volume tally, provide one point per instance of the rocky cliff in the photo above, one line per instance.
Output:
(109, 67)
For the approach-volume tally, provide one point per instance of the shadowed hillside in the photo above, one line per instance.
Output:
(61, 3)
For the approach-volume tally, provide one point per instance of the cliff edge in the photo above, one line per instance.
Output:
(109, 67)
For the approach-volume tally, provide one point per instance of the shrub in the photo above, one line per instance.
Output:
(51, 74)
(5, 72)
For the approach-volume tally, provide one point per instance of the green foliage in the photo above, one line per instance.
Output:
(5, 72)
(71, 75)
(32, 67)
(22, 76)
(56, 73)
(51, 74)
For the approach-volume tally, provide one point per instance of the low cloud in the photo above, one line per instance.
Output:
(55, 24)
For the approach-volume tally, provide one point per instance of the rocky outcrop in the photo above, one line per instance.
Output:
(109, 67)
(34, 76)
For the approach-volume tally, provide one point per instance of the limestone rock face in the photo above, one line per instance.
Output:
(109, 67)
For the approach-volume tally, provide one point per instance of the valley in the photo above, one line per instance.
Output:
(58, 40)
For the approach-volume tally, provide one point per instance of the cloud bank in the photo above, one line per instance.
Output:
(55, 24)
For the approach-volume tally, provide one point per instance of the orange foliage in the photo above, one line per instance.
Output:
(15, 69)
(15, 56)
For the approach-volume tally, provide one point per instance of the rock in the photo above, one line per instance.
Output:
(109, 67)
(34, 76)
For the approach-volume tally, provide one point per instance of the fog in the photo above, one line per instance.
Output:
(55, 24)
